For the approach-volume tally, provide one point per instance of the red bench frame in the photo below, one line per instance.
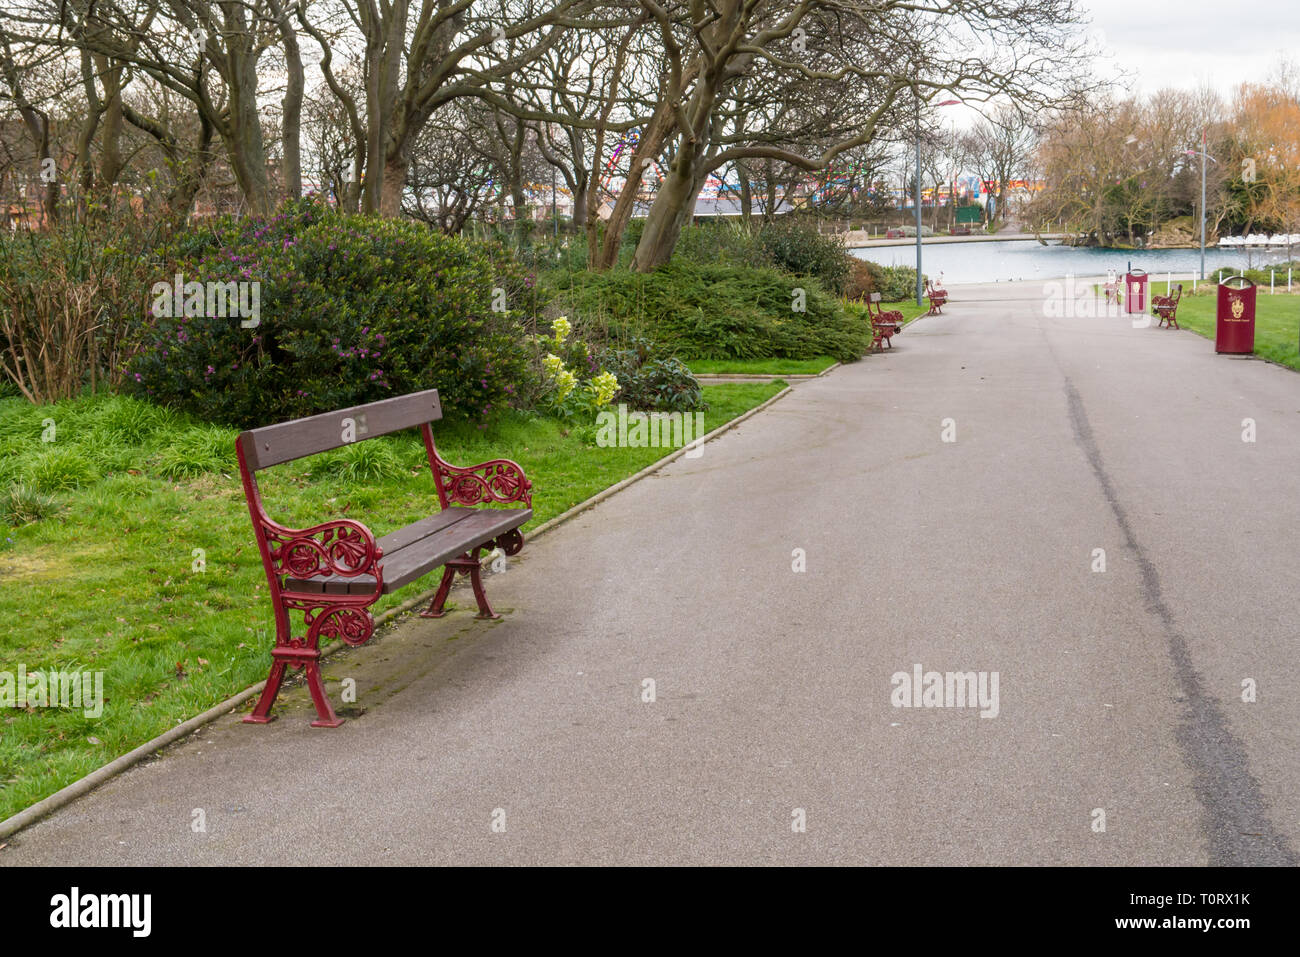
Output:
(884, 325)
(938, 298)
(334, 571)
(1166, 307)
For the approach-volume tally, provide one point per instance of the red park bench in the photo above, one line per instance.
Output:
(332, 572)
(938, 298)
(884, 325)
(1166, 307)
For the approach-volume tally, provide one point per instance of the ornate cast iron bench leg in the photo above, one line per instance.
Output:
(468, 564)
(346, 621)
(465, 565)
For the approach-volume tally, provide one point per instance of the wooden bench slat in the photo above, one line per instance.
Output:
(394, 541)
(426, 548)
(285, 441)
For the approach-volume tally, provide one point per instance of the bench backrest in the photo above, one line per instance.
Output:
(286, 441)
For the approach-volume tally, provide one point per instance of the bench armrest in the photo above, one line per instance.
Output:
(497, 480)
(338, 547)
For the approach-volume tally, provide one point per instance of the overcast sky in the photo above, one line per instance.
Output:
(1186, 43)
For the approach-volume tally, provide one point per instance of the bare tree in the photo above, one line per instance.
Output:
(866, 58)
(999, 149)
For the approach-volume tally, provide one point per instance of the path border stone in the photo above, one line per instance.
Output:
(726, 378)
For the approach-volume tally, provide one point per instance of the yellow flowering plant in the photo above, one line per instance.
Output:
(565, 361)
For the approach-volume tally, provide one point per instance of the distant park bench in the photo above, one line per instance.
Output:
(959, 231)
(938, 298)
(1166, 307)
(884, 325)
(332, 572)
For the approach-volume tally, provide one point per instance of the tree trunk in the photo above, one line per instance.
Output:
(111, 162)
(746, 195)
(190, 173)
(291, 125)
(670, 213)
(652, 139)
(394, 178)
(244, 143)
(385, 144)
(86, 136)
(579, 203)
(37, 122)
(248, 161)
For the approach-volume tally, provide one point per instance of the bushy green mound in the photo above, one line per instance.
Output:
(647, 379)
(350, 309)
(717, 311)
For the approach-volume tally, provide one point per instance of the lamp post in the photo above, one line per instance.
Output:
(920, 287)
(1204, 156)
(918, 203)
(1204, 146)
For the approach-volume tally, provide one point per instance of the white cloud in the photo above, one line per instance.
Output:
(1193, 42)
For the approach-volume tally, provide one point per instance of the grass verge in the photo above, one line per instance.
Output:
(127, 550)
(760, 366)
(1277, 321)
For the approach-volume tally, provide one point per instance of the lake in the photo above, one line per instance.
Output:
(1004, 260)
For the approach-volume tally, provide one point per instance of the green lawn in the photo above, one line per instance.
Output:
(760, 366)
(1277, 320)
(98, 570)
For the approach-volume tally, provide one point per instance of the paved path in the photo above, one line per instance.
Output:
(1118, 690)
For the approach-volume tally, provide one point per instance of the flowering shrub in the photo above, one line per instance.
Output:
(352, 309)
(562, 393)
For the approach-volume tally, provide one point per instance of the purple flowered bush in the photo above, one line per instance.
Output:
(351, 309)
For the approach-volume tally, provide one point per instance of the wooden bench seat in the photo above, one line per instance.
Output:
(414, 551)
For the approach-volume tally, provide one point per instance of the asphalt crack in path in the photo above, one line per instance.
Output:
(1237, 825)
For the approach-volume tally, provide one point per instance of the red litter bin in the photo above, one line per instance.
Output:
(1234, 331)
(1135, 291)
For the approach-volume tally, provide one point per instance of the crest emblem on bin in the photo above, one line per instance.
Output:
(1238, 308)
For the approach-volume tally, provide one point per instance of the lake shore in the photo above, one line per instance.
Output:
(859, 239)
(856, 240)
(1001, 259)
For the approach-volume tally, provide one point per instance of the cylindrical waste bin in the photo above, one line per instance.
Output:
(1234, 330)
(1135, 291)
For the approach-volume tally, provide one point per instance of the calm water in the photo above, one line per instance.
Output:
(1028, 259)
